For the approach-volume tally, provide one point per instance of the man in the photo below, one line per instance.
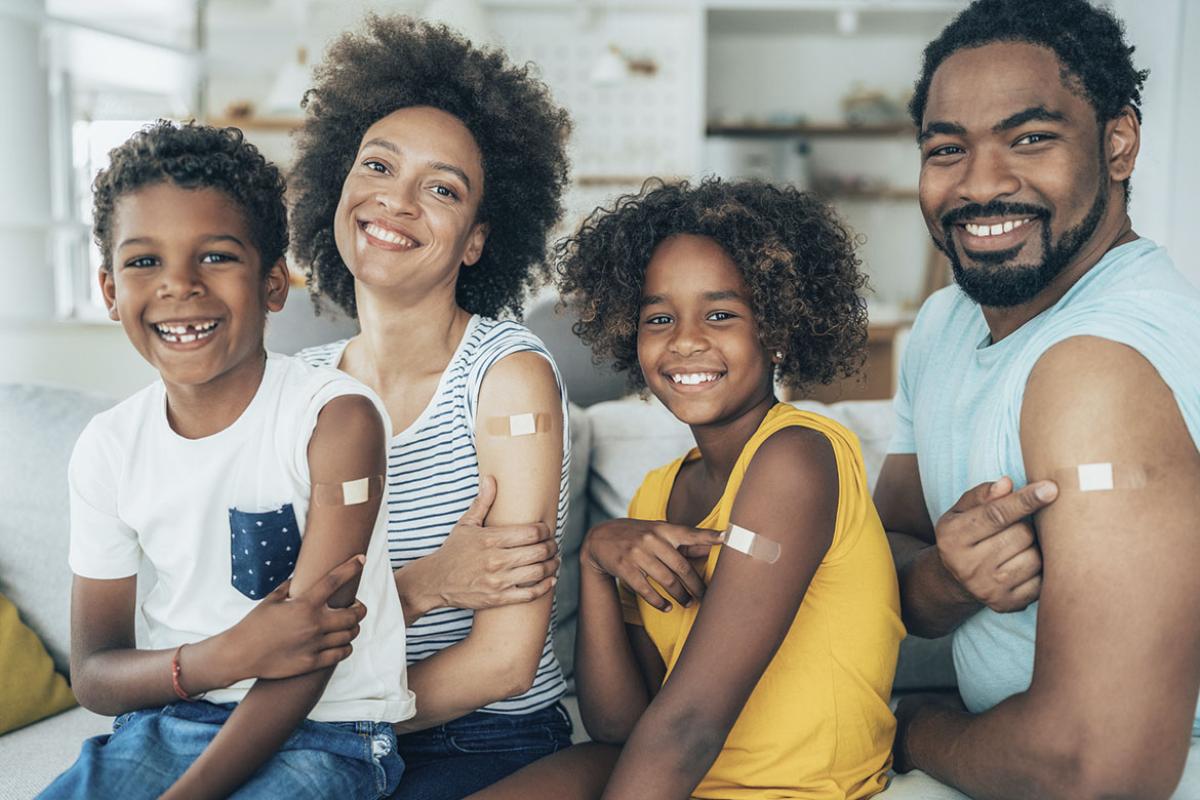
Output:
(1067, 341)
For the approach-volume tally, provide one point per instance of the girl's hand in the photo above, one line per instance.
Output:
(634, 550)
(284, 637)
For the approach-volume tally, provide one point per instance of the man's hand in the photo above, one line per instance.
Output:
(906, 712)
(478, 567)
(634, 550)
(986, 542)
(282, 637)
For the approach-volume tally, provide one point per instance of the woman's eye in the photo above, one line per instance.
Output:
(217, 258)
(375, 166)
(445, 191)
(143, 261)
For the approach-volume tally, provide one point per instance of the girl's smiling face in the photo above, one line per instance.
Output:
(406, 217)
(698, 344)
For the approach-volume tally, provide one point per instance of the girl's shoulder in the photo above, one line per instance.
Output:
(784, 415)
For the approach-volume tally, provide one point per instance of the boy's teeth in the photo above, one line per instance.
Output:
(389, 236)
(994, 230)
(694, 378)
(189, 332)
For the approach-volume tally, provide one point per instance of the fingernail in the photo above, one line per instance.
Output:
(1046, 491)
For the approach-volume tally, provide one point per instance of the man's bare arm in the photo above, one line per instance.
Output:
(1117, 669)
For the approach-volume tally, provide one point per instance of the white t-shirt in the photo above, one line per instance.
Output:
(221, 520)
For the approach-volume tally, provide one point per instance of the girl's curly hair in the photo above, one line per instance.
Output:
(399, 62)
(194, 157)
(795, 255)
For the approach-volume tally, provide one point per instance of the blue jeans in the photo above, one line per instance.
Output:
(148, 750)
(463, 756)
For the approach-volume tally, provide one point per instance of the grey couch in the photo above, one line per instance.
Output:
(615, 444)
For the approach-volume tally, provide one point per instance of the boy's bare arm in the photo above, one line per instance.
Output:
(499, 658)
(1117, 667)
(789, 495)
(348, 444)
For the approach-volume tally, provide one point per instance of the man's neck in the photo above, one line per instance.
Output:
(1003, 322)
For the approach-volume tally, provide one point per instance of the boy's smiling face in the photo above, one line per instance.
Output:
(697, 341)
(188, 286)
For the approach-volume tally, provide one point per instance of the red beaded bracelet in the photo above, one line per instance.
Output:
(176, 671)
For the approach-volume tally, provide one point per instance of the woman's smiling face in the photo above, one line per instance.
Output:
(406, 219)
(698, 343)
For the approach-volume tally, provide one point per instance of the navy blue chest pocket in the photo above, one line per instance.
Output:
(263, 547)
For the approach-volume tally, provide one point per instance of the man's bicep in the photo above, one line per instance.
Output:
(900, 499)
(347, 463)
(1118, 635)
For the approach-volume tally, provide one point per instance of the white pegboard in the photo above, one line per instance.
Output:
(641, 126)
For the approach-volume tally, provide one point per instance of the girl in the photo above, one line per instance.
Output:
(774, 684)
(428, 177)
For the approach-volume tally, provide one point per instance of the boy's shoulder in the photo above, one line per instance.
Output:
(302, 388)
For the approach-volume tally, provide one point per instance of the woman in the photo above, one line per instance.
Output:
(428, 177)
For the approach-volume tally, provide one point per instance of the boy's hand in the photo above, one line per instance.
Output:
(634, 550)
(283, 637)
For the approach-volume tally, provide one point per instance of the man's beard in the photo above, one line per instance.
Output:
(998, 284)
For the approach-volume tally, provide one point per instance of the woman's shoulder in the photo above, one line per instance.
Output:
(489, 337)
(323, 355)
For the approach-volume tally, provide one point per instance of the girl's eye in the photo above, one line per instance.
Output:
(720, 316)
(217, 258)
(658, 319)
(142, 261)
(445, 191)
(375, 166)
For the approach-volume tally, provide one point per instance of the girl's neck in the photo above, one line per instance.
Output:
(403, 338)
(722, 443)
(197, 411)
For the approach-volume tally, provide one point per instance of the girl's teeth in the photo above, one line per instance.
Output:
(694, 379)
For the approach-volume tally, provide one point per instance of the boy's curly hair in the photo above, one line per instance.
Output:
(400, 62)
(795, 255)
(1089, 41)
(195, 157)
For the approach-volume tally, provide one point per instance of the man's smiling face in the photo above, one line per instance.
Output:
(1014, 177)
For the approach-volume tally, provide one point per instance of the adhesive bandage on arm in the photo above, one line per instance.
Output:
(348, 493)
(751, 544)
(1102, 476)
(514, 425)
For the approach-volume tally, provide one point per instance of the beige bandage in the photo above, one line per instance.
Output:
(1102, 476)
(348, 493)
(526, 424)
(750, 543)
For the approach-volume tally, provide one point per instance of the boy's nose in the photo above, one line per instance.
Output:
(181, 281)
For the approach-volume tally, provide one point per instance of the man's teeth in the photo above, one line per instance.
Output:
(189, 332)
(994, 230)
(388, 236)
(695, 378)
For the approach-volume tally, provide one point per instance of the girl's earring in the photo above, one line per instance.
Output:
(778, 356)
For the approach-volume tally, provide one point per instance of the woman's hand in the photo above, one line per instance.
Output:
(478, 567)
(634, 550)
(284, 637)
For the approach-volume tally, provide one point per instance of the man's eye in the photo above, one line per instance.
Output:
(944, 150)
(217, 258)
(142, 261)
(1034, 138)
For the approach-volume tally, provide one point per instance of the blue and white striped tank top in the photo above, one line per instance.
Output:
(433, 475)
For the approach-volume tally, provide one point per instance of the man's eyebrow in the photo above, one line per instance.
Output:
(453, 170)
(939, 127)
(1031, 114)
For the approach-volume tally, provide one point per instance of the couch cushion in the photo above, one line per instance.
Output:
(31, 689)
(566, 594)
(35, 755)
(38, 429)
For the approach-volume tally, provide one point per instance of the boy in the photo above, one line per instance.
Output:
(216, 474)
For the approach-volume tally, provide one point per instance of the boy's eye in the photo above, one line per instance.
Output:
(217, 258)
(721, 316)
(142, 261)
(658, 319)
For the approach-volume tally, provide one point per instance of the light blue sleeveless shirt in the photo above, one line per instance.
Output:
(959, 407)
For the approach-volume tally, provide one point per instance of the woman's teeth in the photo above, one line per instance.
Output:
(177, 333)
(994, 230)
(391, 237)
(695, 378)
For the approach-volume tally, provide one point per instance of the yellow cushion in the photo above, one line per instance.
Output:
(31, 689)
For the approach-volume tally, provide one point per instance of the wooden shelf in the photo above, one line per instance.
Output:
(830, 130)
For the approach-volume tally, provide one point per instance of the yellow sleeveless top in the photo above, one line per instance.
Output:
(817, 725)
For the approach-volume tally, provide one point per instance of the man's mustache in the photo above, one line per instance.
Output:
(995, 208)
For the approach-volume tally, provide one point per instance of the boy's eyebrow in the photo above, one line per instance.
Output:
(215, 237)
(724, 294)
(652, 300)
(438, 165)
(135, 240)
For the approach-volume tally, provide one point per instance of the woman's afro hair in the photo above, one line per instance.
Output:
(398, 62)
(195, 157)
(1089, 41)
(795, 255)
